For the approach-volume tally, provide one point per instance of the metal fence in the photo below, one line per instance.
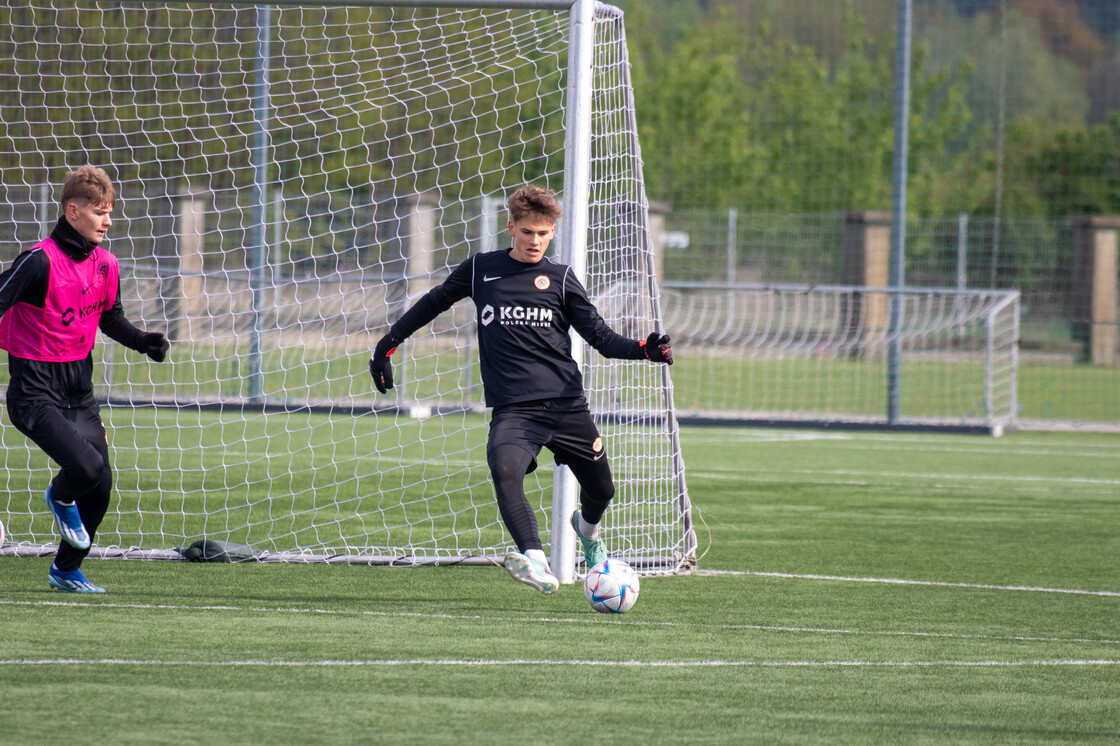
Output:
(1059, 385)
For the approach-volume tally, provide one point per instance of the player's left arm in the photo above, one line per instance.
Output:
(585, 319)
(117, 327)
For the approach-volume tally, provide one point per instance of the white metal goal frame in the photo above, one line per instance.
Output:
(817, 355)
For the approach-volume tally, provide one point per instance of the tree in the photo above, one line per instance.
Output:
(1066, 35)
(743, 116)
(693, 120)
(1078, 170)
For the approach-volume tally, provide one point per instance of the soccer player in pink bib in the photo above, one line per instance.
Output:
(53, 299)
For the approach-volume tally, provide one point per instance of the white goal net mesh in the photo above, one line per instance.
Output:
(290, 180)
(821, 354)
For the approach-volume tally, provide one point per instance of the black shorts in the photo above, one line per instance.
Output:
(563, 426)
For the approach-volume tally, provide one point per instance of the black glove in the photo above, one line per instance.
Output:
(379, 366)
(657, 349)
(154, 345)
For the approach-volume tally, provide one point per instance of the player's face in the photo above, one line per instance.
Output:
(531, 237)
(90, 221)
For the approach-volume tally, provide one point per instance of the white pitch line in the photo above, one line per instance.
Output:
(1028, 487)
(923, 442)
(942, 583)
(937, 635)
(553, 662)
(565, 620)
(1027, 478)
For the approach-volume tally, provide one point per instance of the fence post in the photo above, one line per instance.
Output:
(866, 263)
(420, 243)
(732, 245)
(962, 262)
(416, 229)
(867, 249)
(190, 225)
(657, 214)
(1095, 239)
(410, 221)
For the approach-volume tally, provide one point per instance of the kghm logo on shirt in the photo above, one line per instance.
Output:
(70, 314)
(516, 316)
(93, 308)
(523, 316)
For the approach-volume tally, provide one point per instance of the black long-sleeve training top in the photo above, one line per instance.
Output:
(524, 313)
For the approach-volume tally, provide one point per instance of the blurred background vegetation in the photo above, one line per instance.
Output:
(759, 105)
(770, 105)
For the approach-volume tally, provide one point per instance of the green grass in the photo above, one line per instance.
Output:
(1069, 392)
(1047, 390)
(856, 588)
(290, 373)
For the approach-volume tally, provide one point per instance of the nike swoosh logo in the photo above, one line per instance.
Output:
(487, 278)
(87, 289)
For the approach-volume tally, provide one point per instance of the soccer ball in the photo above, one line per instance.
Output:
(611, 586)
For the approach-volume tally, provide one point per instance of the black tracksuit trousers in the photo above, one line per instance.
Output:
(565, 427)
(74, 438)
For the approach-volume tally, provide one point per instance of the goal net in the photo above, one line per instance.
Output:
(290, 180)
(826, 355)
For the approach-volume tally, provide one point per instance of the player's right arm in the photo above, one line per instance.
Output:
(25, 280)
(437, 300)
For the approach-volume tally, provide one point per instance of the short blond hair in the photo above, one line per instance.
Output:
(88, 185)
(534, 202)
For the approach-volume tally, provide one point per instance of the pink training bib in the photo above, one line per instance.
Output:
(65, 329)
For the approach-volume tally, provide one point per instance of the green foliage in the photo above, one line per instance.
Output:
(1078, 170)
(763, 105)
(696, 117)
(739, 115)
(174, 99)
(789, 107)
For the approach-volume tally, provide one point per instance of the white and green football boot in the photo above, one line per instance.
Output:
(529, 571)
(594, 550)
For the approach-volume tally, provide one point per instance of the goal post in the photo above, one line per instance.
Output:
(291, 177)
(573, 233)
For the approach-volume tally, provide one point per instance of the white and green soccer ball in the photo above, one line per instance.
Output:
(611, 586)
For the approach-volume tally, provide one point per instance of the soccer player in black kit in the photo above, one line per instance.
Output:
(525, 306)
(53, 299)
